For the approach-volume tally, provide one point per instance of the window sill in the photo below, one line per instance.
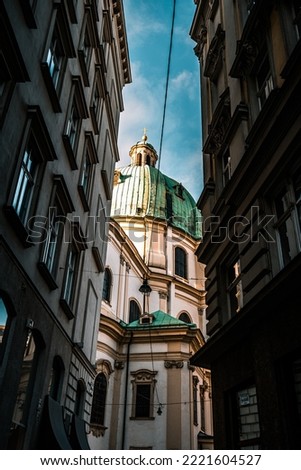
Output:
(151, 418)
(65, 306)
(48, 277)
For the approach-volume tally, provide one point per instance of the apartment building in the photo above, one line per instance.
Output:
(64, 64)
(249, 53)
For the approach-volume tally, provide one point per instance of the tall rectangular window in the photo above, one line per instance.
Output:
(77, 111)
(143, 393)
(264, 80)
(234, 288)
(76, 244)
(85, 184)
(57, 220)
(58, 49)
(288, 220)
(55, 231)
(27, 181)
(55, 58)
(70, 272)
(35, 150)
(226, 168)
(143, 401)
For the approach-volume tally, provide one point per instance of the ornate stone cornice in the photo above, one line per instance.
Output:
(214, 58)
(201, 42)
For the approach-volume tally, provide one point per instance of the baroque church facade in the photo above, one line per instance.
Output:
(146, 393)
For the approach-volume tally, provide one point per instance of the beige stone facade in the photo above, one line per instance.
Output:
(153, 398)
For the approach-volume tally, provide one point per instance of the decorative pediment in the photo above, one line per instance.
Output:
(214, 59)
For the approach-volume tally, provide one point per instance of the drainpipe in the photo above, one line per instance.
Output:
(126, 390)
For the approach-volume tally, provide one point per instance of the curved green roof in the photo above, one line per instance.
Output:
(145, 191)
(160, 319)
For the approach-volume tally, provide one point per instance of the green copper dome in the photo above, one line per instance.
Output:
(141, 190)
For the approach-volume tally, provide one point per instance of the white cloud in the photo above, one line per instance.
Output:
(182, 83)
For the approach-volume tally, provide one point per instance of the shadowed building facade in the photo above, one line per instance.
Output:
(249, 53)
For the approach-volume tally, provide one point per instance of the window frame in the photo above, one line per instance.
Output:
(97, 110)
(234, 287)
(143, 377)
(77, 244)
(12, 58)
(77, 111)
(133, 314)
(289, 215)
(107, 285)
(88, 42)
(180, 266)
(99, 400)
(60, 205)
(90, 156)
(35, 128)
(29, 8)
(59, 26)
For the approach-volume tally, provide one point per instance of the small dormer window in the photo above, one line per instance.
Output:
(146, 319)
(179, 190)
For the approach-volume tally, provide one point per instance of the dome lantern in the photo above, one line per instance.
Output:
(143, 153)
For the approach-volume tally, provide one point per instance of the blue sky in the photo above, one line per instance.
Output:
(148, 24)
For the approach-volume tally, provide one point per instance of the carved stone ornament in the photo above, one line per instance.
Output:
(219, 125)
(214, 58)
(201, 42)
(171, 364)
(119, 364)
(97, 430)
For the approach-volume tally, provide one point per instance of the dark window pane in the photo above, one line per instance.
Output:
(143, 396)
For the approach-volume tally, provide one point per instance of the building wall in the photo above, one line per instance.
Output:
(165, 350)
(34, 114)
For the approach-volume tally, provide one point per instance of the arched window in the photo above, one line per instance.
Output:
(99, 400)
(134, 311)
(180, 262)
(185, 317)
(107, 284)
(80, 398)
(57, 377)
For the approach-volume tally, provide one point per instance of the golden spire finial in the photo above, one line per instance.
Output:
(144, 137)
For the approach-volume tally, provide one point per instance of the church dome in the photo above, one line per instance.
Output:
(142, 190)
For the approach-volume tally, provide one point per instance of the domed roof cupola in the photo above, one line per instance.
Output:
(143, 153)
(141, 190)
